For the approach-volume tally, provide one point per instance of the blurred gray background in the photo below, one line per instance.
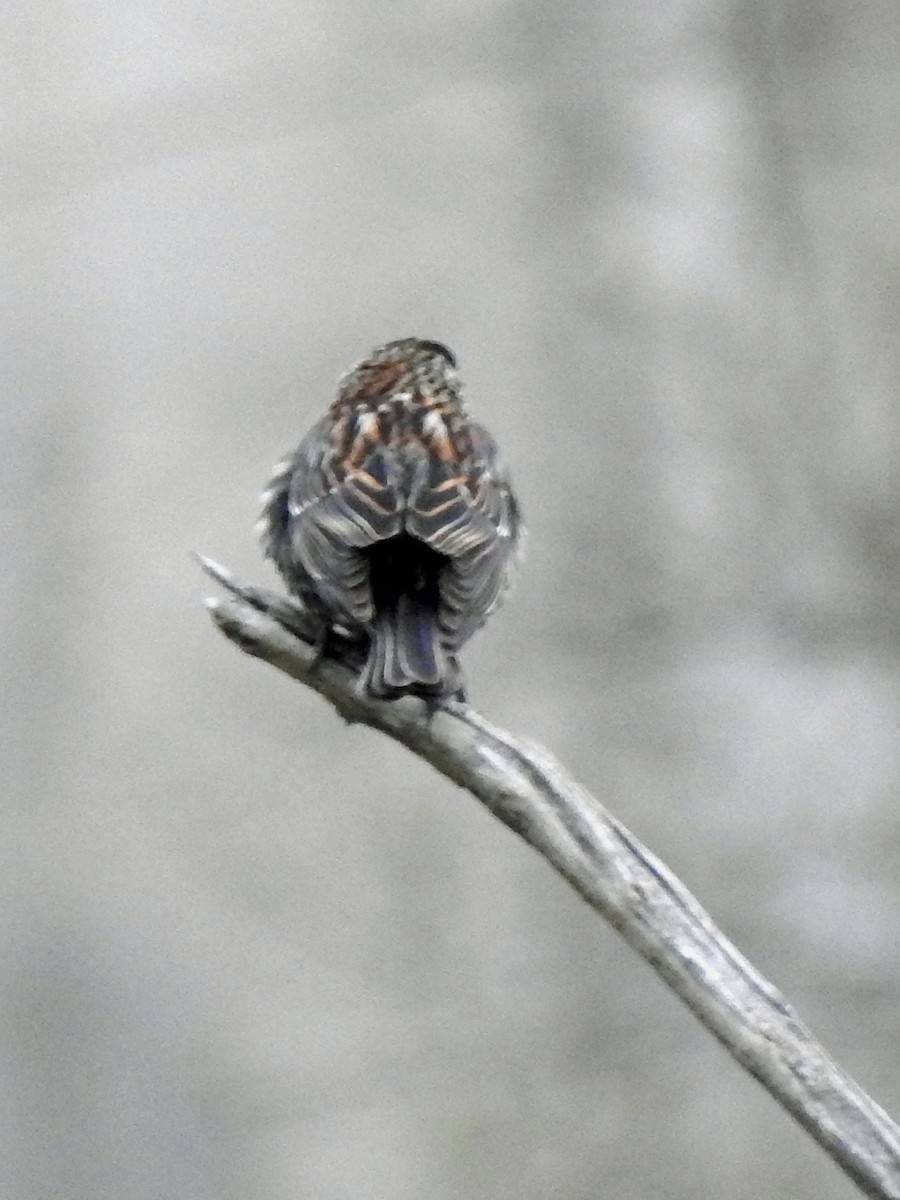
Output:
(252, 953)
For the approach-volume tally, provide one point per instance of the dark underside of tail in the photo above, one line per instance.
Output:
(406, 655)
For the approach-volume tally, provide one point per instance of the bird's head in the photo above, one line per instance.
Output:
(421, 370)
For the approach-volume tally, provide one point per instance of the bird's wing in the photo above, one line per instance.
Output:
(467, 511)
(272, 526)
(340, 501)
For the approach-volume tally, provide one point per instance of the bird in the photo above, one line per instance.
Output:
(394, 520)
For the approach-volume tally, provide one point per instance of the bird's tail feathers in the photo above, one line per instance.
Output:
(406, 654)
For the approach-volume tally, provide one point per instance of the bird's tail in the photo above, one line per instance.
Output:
(406, 654)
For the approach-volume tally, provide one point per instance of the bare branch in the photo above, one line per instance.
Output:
(528, 791)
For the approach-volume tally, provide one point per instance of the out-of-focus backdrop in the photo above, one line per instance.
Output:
(251, 952)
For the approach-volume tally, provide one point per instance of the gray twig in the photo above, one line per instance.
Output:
(606, 864)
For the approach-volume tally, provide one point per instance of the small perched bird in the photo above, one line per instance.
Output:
(393, 519)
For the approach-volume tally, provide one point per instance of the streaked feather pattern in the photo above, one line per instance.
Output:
(395, 517)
